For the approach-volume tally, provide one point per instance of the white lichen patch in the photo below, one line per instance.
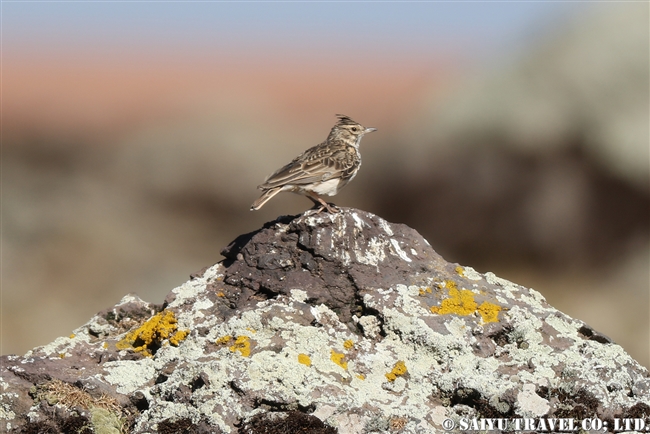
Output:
(359, 223)
(526, 325)
(299, 295)
(564, 325)
(97, 326)
(57, 348)
(398, 250)
(385, 226)
(530, 404)
(371, 326)
(291, 377)
(535, 299)
(130, 299)
(186, 318)
(338, 230)
(214, 411)
(129, 376)
(471, 273)
(374, 252)
(326, 316)
(457, 327)
(493, 279)
(5, 406)
(407, 300)
(164, 410)
(607, 356)
(191, 348)
(200, 305)
(342, 253)
(188, 290)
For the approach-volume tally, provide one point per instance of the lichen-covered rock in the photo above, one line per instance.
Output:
(335, 323)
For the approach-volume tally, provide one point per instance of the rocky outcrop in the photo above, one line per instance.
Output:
(323, 323)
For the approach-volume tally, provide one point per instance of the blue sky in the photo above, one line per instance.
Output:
(475, 30)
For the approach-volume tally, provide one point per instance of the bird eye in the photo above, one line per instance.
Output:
(354, 129)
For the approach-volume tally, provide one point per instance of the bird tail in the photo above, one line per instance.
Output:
(265, 197)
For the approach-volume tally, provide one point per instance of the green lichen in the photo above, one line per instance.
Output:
(105, 422)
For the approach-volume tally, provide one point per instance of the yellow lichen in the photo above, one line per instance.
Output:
(361, 377)
(150, 335)
(460, 302)
(243, 345)
(425, 291)
(489, 312)
(72, 336)
(220, 294)
(338, 359)
(223, 340)
(460, 271)
(105, 345)
(304, 359)
(178, 337)
(398, 370)
(348, 344)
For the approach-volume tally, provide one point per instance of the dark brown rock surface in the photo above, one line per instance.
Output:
(343, 319)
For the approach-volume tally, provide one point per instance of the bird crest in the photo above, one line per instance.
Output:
(345, 120)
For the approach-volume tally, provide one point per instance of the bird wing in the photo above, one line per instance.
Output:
(320, 163)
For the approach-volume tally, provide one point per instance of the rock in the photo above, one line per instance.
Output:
(324, 323)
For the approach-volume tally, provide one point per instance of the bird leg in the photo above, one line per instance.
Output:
(321, 204)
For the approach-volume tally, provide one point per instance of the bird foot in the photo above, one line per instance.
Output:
(318, 208)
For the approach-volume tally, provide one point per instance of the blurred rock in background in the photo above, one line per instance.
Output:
(126, 177)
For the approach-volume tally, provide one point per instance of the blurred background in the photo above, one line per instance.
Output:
(513, 136)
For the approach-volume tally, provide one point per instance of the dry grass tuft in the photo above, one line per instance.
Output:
(59, 392)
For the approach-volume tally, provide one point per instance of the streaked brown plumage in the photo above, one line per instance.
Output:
(323, 169)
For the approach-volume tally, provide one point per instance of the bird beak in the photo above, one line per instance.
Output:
(369, 130)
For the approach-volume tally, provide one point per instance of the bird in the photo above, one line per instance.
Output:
(321, 170)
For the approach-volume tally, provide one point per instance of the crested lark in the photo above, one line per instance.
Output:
(323, 169)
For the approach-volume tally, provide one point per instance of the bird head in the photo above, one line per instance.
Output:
(349, 131)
